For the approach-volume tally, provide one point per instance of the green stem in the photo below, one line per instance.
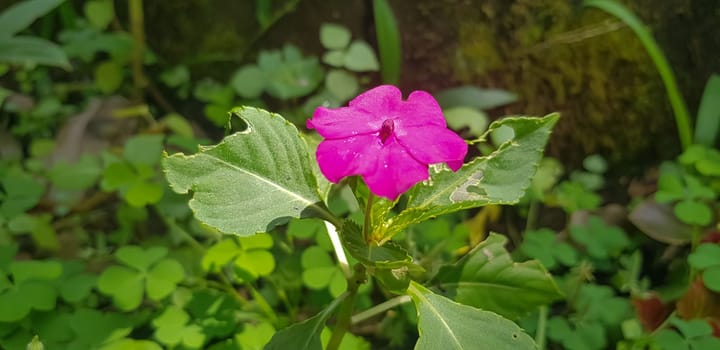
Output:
(137, 28)
(682, 117)
(338, 248)
(368, 217)
(263, 304)
(379, 308)
(346, 309)
(532, 215)
(541, 327)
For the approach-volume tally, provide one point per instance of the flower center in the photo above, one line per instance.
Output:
(386, 130)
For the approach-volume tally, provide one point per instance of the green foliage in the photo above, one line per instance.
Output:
(488, 278)
(228, 173)
(691, 335)
(389, 43)
(544, 246)
(706, 258)
(22, 50)
(708, 116)
(319, 272)
(445, 324)
(26, 286)
(171, 329)
(600, 240)
(143, 272)
(304, 335)
(682, 117)
(500, 178)
(598, 312)
(248, 254)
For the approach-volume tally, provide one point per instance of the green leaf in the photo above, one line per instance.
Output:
(140, 258)
(99, 12)
(22, 192)
(77, 287)
(334, 58)
(319, 272)
(388, 255)
(500, 178)
(543, 245)
(600, 240)
(255, 336)
(263, 173)
(574, 196)
(15, 307)
(93, 328)
(142, 193)
(171, 329)
(708, 117)
(249, 81)
(131, 344)
(706, 255)
(470, 96)
(288, 74)
(304, 335)
(341, 84)
(78, 176)
(693, 212)
(389, 43)
(144, 149)
(460, 117)
(24, 50)
(444, 324)
(162, 279)
(334, 36)
(124, 285)
(488, 278)
(35, 270)
(108, 76)
(360, 57)
(595, 164)
(711, 278)
(20, 15)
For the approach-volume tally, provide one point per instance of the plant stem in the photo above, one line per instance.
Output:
(137, 28)
(344, 316)
(532, 215)
(379, 308)
(682, 117)
(338, 248)
(368, 217)
(541, 327)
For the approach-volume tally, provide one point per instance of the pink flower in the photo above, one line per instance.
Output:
(387, 141)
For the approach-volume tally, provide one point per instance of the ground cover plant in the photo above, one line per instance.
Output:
(304, 201)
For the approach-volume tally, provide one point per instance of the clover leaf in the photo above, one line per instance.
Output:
(30, 287)
(249, 254)
(706, 258)
(543, 245)
(601, 240)
(144, 271)
(93, 328)
(691, 335)
(19, 192)
(255, 336)
(319, 272)
(172, 329)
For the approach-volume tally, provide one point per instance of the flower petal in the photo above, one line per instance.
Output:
(343, 122)
(431, 144)
(421, 108)
(349, 156)
(395, 171)
(382, 101)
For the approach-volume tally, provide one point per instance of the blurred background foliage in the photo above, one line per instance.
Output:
(97, 253)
